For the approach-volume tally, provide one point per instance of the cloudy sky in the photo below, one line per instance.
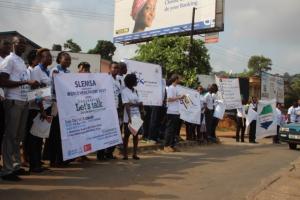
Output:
(257, 27)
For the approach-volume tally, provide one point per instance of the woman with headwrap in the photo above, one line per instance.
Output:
(143, 13)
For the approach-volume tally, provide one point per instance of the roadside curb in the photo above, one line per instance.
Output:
(267, 182)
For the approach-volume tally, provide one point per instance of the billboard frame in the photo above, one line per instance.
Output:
(219, 27)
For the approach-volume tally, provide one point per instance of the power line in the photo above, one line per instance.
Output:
(71, 13)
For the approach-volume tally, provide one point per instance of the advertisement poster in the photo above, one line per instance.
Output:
(266, 124)
(272, 87)
(87, 113)
(229, 92)
(136, 19)
(190, 107)
(149, 81)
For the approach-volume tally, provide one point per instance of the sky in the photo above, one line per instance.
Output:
(257, 27)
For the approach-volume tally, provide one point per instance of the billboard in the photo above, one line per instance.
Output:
(141, 20)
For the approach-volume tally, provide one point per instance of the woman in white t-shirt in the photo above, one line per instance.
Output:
(132, 108)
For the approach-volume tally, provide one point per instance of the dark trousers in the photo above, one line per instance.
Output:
(215, 122)
(55, 146)
(240, 129)
(155, 122)
(172, 126)
(276, 137)
(190, 131)
(201, 135)
(147, 122)
(208, 122)
(252, 131)
(34, 144)
(2, 122)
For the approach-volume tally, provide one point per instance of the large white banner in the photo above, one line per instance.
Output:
(272, 87)
(229, 92)
(87, 113)
(266, 124)
(149, 81)
(190, 107)
(139, 19)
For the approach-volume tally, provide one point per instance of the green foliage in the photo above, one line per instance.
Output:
(292, 89)
(256, 64)
(72, 46)
(56, 47)
(172, 54)
(105, 48)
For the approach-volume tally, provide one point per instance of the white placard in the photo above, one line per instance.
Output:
(266, 124)
(229, 92)
(39, 93)
(251, 115)
(87, 113)
(272, 87)
(40, 128)
(219, 110)
(149, 81)
(190, 107)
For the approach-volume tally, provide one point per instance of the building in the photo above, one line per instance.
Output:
(8, 35)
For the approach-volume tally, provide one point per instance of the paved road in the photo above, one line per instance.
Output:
(226, 171)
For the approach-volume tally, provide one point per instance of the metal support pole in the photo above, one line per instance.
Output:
(192, 39)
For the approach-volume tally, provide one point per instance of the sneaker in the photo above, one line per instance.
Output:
(152, 142)
(168, 149)
(11, 177)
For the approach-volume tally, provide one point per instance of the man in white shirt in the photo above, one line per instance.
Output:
(279, 122)
(114, 70)
(241, 122)
(173, 120)
(14, 78)
(5, 48)
(252, 129)
(209, 104)
(292, 116)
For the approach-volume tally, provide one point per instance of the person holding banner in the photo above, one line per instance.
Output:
(54, 143)
(15, 79)
(132, 108)
(210, 103)
(241, 122)
(280, 122)
(114, 71)
(252, 130)
(292, 112)
(173, 117)
(39, 106)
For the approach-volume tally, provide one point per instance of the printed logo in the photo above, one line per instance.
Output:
(266, 117)
(87, 147)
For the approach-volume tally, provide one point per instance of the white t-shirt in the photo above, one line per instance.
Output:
(17, 70)
(173, 107)
(1, 90)
(209, 99)
(129, 96)
(292, 113)
(38, 74)
(279, 117)
(121, 78)
(117, 89)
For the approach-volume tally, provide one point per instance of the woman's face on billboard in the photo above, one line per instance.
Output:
(147, 14)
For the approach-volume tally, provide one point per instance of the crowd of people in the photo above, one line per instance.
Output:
(162, 124)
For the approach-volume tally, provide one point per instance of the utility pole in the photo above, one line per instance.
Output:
(191, 39)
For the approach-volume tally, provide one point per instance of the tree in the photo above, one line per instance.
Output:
(105, 48)
(56, 47)
(172, 54)
(72, 46)
(292, 90)
(257, 64)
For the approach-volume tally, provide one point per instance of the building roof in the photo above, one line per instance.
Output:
(16, 33)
